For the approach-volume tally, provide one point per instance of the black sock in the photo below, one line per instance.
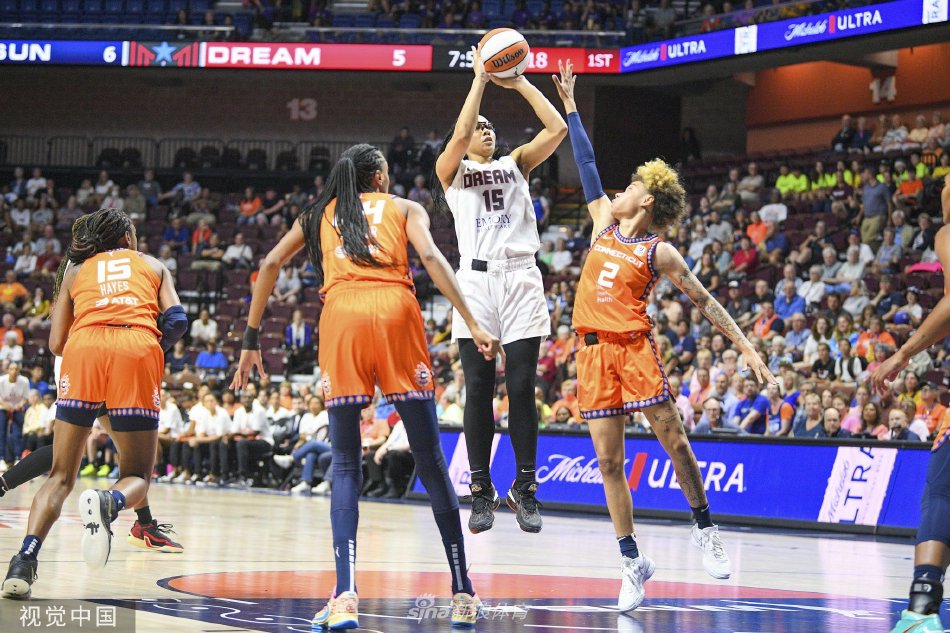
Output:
(702, 517)
(144, 515)
(628, 546)
(926, 592)
(31, 545)
(450, 527)
(483, 477)
(524, 477)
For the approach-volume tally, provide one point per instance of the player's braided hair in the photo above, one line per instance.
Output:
(352, 175)
(439, 203)
(669, 196)
(93, 233)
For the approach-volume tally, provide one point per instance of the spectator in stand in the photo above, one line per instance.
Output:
(166, 256)
(876, 206)
(872, 423)
(11, 350)
(288, 287)
(714, 419)
(737, 305)
(665, 18)
(184, 192)
(811, 250)
(918, 135)
(861, 142)
(19, 217)
(562, 258)
(930, 411)
(839, 277)
(103, 186)
(86, 194)
(750, 187)
(706, 272)
(150, 188)
(12, 292)
(745, 259)
(177, 236)
(889, 254)
(204, 329)
(49, 237)
(420, 193)
(767, 324)
(789, 303)
(911, 313)
(909, 192)
(68, 213)
(42, 214)
(923, 237)
(813, 290)
(25, 263)
(940, 171)
(203, 208)
(402, 149)
(887, 300)
(812, 424)
(271, 207)
(751, 412)
(756, 229)
(894, 134)
(313, 426)
(14, 390)
(298, 338)
(568, 399)
(776, 211)
(797, 337)
(789, 277)
(897, 421)
(36, 313)
(113, 199)
(249, 207)
(36, 430)
(775, 247)
(702, 389)
(211, 362)
(778, 355)
(239, 254)
(200, 236)
(209, 254)
(849, 370)
(857, 299)
(823, 369)
(779, 414)
(843, 139)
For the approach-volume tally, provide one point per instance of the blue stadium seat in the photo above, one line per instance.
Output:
(196, 19)
(384, 22)
(114, 7)
(366, 21)
(91, 7)
(497, 24)
(29, 7)
(343, 20)
(134, 7)
(49, 9)
(8, 9)
(491, 8)
(535, 7)
(71, 8)
(244, 23)
(174, 6)
(200, 5)
(156, 7)
(410, 21)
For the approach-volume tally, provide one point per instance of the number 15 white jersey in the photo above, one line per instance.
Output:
(494, 216)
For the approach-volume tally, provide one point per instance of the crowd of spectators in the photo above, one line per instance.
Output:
(827, 269)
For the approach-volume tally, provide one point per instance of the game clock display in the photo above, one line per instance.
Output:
(541, 60)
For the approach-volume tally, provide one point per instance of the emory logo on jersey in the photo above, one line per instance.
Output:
(64, 385)
(423, 375)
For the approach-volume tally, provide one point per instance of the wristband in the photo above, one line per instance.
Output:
(251, 338)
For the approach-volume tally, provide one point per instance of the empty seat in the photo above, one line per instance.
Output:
(109, 158)
(185, 158)
(287, 161)
(209, 157)
(131, 157)
(256, 159)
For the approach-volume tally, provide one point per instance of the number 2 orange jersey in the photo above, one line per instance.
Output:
(387, 224)
(615, 284)
(117, 287)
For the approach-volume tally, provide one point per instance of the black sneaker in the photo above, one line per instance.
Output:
(484, 503)
(20, 576)
(525, 506)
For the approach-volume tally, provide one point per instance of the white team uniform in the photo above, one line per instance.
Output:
(495, 222)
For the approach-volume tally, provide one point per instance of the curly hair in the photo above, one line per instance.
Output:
(669, 196)
(92, 234)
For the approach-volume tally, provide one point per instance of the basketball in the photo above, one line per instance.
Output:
(505, 53)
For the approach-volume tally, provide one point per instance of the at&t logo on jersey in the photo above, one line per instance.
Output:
(64, 385)
(423, 375)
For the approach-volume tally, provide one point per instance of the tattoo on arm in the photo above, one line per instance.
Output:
(710, 308)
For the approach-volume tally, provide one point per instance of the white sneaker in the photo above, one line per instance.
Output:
(95, 513)
(3, 465)
(284, 461)
(633, 573)
(321, 488)
(180, 479)
(715, 560)
(302, 488)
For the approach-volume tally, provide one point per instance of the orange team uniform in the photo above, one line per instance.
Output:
(619, 369)
(371, 329)
(112, 361)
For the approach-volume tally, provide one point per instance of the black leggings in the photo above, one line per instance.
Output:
(521, 371)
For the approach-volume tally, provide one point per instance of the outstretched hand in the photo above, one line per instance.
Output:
(250, 359)
(480, 73)
(510, 83)
(883, 377)
(565, 83)
(752, 362)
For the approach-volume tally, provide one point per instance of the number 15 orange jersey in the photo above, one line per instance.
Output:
(615, 284)
(116, 287)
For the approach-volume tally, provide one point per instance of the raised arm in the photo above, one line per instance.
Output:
(598, 204)
(417, 230)
(286, 248)
(670, 263)
(448, 162)
(540, 148)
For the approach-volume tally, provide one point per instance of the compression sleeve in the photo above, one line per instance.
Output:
(584, 157)
(173, 326)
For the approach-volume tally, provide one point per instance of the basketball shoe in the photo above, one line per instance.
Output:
(634, 572)
(340, 614)
(96, 513)
(715, 560)
(20, 576)
(154, 536)
(912, 622)
(484, 504)
(465, 610)
(525, 506)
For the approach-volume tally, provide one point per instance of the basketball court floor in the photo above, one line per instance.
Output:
(263, 562)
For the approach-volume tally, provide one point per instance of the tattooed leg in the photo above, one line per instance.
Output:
(668, 427)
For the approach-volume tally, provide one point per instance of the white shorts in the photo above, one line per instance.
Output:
(507, 300)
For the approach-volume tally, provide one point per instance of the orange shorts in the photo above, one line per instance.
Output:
(373, 334)
(112, 368)
(618, 375)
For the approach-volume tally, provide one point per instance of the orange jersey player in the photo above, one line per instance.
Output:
(371, 333)
(619, 369)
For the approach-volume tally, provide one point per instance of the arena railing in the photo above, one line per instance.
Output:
(87, 28)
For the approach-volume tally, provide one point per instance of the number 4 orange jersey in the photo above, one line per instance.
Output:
(117, 287)
(615, 284)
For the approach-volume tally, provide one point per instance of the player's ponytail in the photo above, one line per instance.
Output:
(93, 233)
(352, 175)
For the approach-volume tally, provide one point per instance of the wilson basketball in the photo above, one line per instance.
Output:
(505, 53)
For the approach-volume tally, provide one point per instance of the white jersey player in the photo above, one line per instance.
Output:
(487, 193)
